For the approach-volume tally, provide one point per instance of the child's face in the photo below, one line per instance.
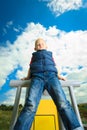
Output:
(40, 45)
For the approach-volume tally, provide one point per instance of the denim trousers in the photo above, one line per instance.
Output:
(50, 82)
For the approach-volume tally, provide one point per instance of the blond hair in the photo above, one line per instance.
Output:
(38, 40)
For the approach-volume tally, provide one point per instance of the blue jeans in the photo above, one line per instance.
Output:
(50, 82)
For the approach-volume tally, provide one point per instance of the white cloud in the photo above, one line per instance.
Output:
(4, 31)
(7, 26)
(9, 23)
(60, 6)
(69, 50)
(81, 94)
(16, 29)
(11, 94)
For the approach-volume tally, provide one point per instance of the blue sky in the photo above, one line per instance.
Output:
(63, 24)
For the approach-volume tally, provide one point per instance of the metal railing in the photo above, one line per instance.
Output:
(70, 84)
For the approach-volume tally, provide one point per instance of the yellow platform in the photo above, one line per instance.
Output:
(46, 117)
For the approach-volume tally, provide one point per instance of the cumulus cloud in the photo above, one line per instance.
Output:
(11, 96)
(58, 7)
(69, 50)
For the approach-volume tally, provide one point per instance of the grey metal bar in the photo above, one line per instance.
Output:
(74, 103)
(61, 125)
(15, 108)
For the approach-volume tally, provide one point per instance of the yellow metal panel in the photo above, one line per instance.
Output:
(44, 123)
(46, 116)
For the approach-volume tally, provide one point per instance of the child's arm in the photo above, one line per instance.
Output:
(61, 77)
(28, 75)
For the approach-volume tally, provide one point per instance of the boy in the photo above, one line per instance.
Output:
(44, 75)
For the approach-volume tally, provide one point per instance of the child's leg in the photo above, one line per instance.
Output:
(26, 117)
(65, 110)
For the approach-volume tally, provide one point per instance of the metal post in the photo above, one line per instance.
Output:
(74, 103)
(61, 125)
(15, 108)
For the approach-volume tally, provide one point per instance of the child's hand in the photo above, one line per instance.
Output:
(61, 77)
(25, 78)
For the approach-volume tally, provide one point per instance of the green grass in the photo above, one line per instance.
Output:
(5, 118)
(83, 112)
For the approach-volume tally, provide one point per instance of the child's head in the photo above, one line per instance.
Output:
(40, 44)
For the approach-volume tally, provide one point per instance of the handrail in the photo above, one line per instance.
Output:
(25, 83)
